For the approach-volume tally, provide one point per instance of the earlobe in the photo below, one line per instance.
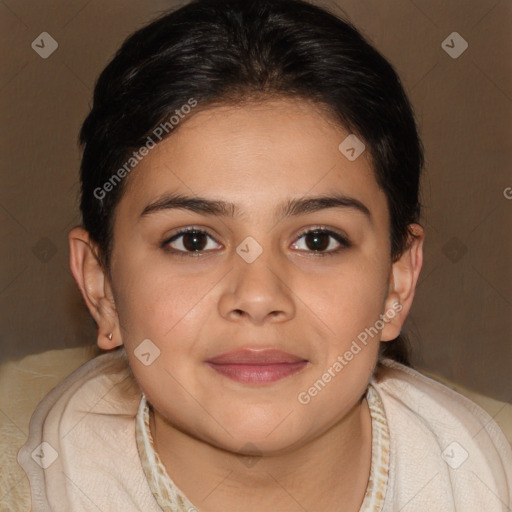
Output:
(402, 285)
(95, 287)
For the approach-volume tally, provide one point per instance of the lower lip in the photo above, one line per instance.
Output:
(258, 374)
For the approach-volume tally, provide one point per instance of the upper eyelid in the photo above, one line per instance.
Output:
(324, 229)
(188, 229)
(340, 237)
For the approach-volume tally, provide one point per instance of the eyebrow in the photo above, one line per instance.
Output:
(290, 208)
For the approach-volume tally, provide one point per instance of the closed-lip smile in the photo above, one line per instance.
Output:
(256, 366)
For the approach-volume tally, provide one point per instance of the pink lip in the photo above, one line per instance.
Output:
(256, 366)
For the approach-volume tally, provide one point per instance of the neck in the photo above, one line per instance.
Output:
(322, 474)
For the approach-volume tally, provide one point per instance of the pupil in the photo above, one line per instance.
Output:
(317, 239)
(192, 241)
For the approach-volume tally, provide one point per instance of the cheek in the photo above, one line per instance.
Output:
(347, 309)
(155, 300)
(350, 306)
(348, 299)
(164, 314)
(161, 318)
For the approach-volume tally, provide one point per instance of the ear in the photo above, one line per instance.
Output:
(402, 284)
(95, 286)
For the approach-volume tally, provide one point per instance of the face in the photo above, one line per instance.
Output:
(279, 282)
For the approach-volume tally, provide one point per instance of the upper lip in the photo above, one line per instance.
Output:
(255, 357)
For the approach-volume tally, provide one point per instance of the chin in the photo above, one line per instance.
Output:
(253, 446)
(256, 438)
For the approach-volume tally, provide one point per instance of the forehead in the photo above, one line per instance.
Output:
(254, 155)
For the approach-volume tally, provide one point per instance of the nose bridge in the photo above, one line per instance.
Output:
(258, 285)
(258, 276)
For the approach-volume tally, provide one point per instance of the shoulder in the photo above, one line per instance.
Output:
(81, 443)
(102, 384)
(426, 397)
(441, 442)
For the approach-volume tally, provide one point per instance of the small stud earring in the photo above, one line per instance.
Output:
(109, 336)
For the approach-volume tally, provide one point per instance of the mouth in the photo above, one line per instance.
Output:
(251, 366)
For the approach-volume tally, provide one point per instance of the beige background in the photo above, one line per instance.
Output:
(461, 321)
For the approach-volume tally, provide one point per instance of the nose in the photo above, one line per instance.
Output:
(257, 292)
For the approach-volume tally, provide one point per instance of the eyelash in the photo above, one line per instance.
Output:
(341, 239)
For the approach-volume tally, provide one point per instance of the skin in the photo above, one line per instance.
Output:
(206, 427)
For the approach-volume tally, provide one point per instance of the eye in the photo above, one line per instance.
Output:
(189, 242)
(322, 241)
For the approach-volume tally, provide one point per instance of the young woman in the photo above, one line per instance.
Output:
(250, 250)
